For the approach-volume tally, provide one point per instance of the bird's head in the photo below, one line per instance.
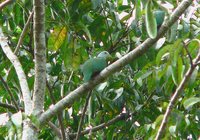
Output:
(104, 54)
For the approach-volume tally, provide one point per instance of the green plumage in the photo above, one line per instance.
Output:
(94, 65)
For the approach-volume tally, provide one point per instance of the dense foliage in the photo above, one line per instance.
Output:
(77, 30)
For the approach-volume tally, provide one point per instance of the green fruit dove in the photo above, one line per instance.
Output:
(94, 65)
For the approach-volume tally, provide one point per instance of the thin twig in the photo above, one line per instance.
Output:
(103, 125)
(19, 71)
(70, 77)
(188, 53)
(60, 119)
(5, 3)
(174, 98)
(55, 129)
(115, 46)
(83, 115)
(121, 116)
(197, 63)
(9, 92)
(8, 106)
(23, 33)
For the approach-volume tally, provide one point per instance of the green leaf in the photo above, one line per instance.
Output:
(138, 9)
(172, 130)
(174, 74)
(57, 38)
(96, 3)
(11, 133)
(119, 93)
(17, 11)
(124, 7)
(150, 20)
(145, 75)
(164, 51)
(190, 102)
(159, 43)
(185, 30)
(193, 76)
(193, 47)
(181, 69)
(35, 120)
(139, 81)
(17, 119)
(172, 32)
(73, 54)
(86, 30)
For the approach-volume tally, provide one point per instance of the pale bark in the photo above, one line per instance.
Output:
(116, 66)
(40, 56)
(20, 73)
(29, 130)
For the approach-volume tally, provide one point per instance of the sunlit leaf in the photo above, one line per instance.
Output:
(193, 76)
(17, 119)
(172, 32)
(193, 47)
(57, 38)
(190, 102)
(150, 20)
(172, 130)
(163, 52)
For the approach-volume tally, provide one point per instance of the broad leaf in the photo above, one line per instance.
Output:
(150, 20)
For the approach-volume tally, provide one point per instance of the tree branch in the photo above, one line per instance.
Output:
(9, 92)
(119, 117)
(8, 106)
(55, 129)
(116, 66)
(197, 63)
(172, 102)
(83, 115)
(188, 53)
(23, 33)
(40, 56)
(5, 3)
(60, 119)
(20, 73)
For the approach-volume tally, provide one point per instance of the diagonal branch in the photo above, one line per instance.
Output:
(119, 117)
(116, 66)
(188, 53)
(20, 73)
(23, 33)
(55, 130)
(175, 97)
(8, 106)
(5, 3)
(9, 92)
(60, 118)
(83, 115)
